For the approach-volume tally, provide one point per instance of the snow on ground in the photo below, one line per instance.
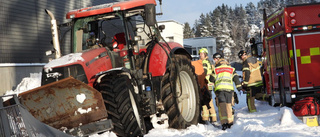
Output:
(27, 83)
(267, 122)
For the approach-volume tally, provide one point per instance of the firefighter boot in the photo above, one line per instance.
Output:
(225, 126)
(212, 111)
(205, 115)
(250, 104)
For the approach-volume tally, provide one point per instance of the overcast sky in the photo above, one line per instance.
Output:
(189, 10)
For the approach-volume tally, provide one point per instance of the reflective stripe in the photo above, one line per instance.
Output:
(208, 67)
(254, 69)
(314, 51)
(259, 83)
(227, 84)
(298, 53)
(213, 115)
(224, 118)
(305, 59)
(246, 68)
(224, 77)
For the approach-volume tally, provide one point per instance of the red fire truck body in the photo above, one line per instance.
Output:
(292, 55)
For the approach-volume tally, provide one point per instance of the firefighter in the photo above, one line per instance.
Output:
(252, 80)
(216, 57)
(207, 110)
(224, 76)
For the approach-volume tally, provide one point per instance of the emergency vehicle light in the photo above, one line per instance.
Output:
(292, 74)
(72, 16)
(304, 28)
(116, 8)
(288, 35)
(292, 14)
(293, 96)
(293, 21)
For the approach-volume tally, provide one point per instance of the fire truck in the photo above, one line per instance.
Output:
(291, 53)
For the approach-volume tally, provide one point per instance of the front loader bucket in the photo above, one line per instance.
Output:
(66, 103)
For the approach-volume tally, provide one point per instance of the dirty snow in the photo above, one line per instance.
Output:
(267, 122)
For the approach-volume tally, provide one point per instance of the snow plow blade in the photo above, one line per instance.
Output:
(66, 103)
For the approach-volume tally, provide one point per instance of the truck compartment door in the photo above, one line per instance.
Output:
(307, 59)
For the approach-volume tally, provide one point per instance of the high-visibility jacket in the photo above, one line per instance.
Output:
(198, 68)
(251, 72)
(208, 71)
(224, 77)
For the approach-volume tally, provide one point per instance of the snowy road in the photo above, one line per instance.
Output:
(267, 122)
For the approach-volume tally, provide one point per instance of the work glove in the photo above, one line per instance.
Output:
(239, 89)
(244, 91)
(236, 99)
(245, 86)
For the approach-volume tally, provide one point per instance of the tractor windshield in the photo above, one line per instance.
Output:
(104, 31)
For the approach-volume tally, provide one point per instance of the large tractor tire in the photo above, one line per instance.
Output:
(182, 107)
(120, 101)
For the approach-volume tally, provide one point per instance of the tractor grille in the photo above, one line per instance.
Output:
(56, 74)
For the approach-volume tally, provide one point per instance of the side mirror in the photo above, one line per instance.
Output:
(162, 27)
(150, 14)
(256, 49)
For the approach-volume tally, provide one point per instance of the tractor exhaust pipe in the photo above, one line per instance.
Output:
(55, 36)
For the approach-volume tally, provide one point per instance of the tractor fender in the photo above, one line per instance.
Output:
(119, 70)
(158, 59)
(113, 70)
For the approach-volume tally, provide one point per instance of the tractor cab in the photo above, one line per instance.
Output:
(111, 25)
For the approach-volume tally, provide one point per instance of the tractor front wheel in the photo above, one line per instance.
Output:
(180, 93)
(120, 101)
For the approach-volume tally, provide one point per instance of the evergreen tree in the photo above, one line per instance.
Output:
(187, 31)
(197, 31)
(233, 27)
(206, 28)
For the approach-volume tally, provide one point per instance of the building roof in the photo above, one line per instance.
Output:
(200, 41)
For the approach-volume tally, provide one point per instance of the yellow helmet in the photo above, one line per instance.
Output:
(203, 50)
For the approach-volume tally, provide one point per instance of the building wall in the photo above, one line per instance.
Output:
(25, 35)
(201, 42)
(173, 32)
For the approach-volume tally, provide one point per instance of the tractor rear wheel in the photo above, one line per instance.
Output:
(120, 101)
(180, 93)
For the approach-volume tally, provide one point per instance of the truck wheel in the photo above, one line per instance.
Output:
(182, 107)
(119, 98)
(282, 93)
(271, 101)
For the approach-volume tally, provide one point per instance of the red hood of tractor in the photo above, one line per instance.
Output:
(107, 8)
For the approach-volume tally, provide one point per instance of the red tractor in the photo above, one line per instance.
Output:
(114, 77)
